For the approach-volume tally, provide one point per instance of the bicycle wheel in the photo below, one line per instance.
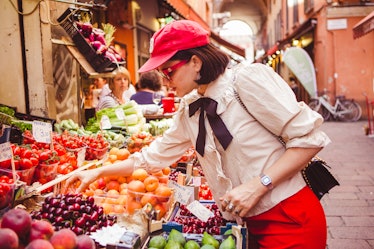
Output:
(349, 111)
(315, 105)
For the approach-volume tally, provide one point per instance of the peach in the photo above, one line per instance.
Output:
(41, 229)
(8, 238)
(151, 183)
(85, 242)
(64, 239)
(139, 174)
(39, 244)
(19, 221)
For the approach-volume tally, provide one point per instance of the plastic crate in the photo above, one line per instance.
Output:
(98, 61)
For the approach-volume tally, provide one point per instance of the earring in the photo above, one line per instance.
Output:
(198, 76)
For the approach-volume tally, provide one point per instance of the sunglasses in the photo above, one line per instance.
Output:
(166, 72)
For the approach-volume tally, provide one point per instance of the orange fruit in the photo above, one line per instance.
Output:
(99, 191)
(123, 154)
(135, 186)
(139, 174)
(112, 193)
(113, 151)
(112, 158)
(151, 183)
(122, 179)
(163, 193)
(118, 209)
(166, 171)
(113, 184)
(148, 198)
(158, 173)
(107, 208)
(122, 200)
(132, 205)
(160, 210)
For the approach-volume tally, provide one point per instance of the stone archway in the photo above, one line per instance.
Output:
(241, 34)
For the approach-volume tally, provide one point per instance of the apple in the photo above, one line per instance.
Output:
(64, 239)
(85, 242)
(19, 221)
(41, 229)
(8, 239)
(39, 244)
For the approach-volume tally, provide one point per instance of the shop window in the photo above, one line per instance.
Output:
(308, 6)
(143, 36)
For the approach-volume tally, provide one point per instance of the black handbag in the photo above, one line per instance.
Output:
(316, 174)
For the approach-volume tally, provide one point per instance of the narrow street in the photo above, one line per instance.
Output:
(350, 207)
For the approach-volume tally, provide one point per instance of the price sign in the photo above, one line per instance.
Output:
(42, 131)
(200, 211)
(5, 152)
(120, 114)
(105, 123)
(181, 194)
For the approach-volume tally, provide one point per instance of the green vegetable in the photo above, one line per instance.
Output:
(7, 110)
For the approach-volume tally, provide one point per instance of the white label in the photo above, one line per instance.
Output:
(81, 156)
(336, 24)
(181, 194)
(120, 114)
(200, 211)
(5, 152)
(196, 181)
(42, 131)
(105, 123)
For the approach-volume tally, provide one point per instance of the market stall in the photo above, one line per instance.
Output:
(137, 211)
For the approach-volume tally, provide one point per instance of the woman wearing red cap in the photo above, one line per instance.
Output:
(253, 177)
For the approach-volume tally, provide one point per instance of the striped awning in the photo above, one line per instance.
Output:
(364, 26)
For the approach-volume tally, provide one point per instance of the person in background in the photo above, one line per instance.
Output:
(253, 177)
(149, 82)
(101, 89)
(118, 84)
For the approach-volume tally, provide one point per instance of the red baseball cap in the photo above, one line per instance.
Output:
(174, 37)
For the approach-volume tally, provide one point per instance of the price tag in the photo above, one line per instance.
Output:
(181, 194)
(81, 156)
(200, 211)
(120, 114)
(196, 181)
(5, 152)
(105, 123)
(42, 131)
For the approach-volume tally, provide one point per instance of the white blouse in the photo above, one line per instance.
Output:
(271, 102)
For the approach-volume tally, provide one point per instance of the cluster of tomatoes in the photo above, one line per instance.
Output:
(6, 190)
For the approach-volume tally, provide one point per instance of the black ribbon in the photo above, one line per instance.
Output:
(219, 128)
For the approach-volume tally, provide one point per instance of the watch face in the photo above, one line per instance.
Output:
(266, 180)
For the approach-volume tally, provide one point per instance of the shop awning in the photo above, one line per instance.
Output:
(304, 28)
(188, 12)
(365, 26)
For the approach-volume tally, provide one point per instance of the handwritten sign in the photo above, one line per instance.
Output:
(120, 114)
(200, 211)
(182, 194)
(5, 152)
(42, 131)
(105, 123)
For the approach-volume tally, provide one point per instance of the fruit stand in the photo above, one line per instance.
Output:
(112, 212)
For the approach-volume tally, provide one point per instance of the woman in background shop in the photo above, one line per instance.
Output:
(149, 83)
(118, 84)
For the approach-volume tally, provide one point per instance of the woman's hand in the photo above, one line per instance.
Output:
(243, 198)
(85, 178)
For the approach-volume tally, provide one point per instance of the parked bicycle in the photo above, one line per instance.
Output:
(346, 110)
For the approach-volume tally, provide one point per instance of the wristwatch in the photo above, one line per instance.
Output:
(266, 181)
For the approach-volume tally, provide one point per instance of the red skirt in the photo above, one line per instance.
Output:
(297, 222)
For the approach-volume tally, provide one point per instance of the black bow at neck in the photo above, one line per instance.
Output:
(218, 126)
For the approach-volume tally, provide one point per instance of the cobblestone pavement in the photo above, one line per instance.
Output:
(349, 207)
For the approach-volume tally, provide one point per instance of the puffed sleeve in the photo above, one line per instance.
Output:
(167, 149)
(271, 102)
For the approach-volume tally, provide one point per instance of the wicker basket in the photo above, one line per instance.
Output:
(99, 62)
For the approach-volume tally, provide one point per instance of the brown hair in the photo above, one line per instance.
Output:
(116, 72)
(150, 80)
(214, 61)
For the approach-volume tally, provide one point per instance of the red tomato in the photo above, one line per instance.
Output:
(34, 161)
(44, 156)
(17, 151)
(5, 164)
(26, 153)
(25, 163)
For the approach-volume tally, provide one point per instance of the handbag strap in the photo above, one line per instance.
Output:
(279, 138)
